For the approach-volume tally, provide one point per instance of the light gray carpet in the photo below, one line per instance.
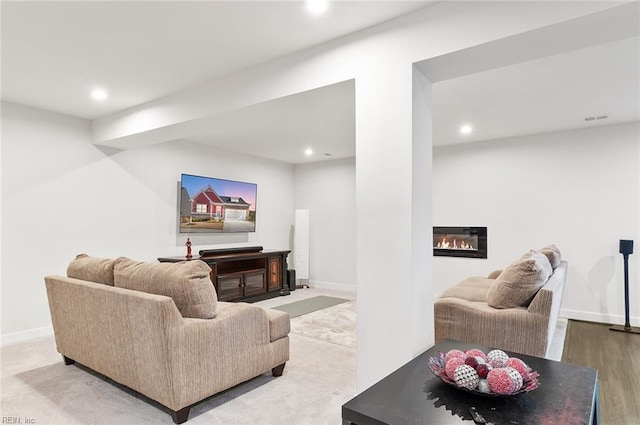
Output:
(299, 308)
(318, 379)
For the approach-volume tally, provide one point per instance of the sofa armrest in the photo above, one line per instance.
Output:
(542, 302)
(514, 329)
(548, 300)
(279, 324)
(211, 355)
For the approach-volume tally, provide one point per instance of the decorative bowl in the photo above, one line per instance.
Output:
(437, 366)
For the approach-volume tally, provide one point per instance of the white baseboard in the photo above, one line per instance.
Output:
(332, 285)
(15, 337)
(588, 316)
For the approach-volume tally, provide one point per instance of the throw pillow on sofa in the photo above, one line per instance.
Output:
(520, 281)
(187, 282)
(553, 254)
(93, 269)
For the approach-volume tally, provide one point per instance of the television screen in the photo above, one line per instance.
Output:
(210, 205)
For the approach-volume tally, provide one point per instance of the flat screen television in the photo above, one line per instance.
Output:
(211, 205)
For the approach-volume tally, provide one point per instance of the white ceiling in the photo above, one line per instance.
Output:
(554, 93)
(322, 120)
(53, 53)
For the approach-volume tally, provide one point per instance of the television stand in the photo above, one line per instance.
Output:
(246, 274)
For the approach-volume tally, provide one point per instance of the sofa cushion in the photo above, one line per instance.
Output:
(470, 289)
(93, 269)
(187, 282)
(494, 274)
(519, 282)
(553, 254)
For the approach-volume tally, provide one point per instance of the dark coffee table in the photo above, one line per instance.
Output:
(412, 395)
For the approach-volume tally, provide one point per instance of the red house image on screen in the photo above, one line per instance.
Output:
(208, 204)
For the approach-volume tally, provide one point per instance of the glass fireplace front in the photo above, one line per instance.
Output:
(468, 242)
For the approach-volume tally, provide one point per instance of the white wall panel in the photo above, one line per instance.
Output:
(327, 190)
(61, 196)
(577, 189)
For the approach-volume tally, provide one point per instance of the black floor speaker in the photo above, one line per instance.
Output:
(291, 279)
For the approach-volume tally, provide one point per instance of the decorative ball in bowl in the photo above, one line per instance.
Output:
(493, 374)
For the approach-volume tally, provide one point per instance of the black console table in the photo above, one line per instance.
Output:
(244, 274)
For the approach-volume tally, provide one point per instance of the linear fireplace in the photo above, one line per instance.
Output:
(468, 242)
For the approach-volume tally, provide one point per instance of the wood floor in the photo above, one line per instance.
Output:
(616, 355)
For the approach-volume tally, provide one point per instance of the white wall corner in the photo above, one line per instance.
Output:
(333, 286)
(589, 316)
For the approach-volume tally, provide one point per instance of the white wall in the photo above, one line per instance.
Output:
(577, 189)
(328, 189)
(61, 196)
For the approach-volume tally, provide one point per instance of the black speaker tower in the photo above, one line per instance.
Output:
(291, 279)
(626, 249)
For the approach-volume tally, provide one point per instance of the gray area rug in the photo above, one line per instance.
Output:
(309, 305)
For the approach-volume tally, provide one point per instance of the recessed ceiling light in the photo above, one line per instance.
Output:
(317, 7)
(99, 94)
(466, 129)
(308, 152)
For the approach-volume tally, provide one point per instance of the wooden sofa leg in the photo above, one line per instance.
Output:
(180, 416)
(68, 361)
(277, 371)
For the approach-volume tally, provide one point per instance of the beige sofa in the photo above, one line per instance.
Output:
(144, 341)
(511, 311)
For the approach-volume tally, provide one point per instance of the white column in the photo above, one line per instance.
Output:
(393, 210)
(422, 213)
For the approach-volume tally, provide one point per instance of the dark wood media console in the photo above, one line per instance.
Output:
(244, 274)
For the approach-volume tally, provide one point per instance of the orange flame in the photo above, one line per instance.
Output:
(453, 244)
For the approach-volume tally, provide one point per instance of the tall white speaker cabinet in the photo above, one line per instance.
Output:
(301, 246)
